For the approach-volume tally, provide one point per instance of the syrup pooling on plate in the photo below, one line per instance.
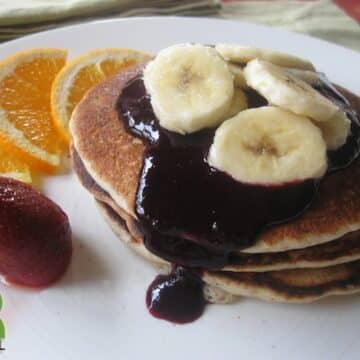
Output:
(177, 297)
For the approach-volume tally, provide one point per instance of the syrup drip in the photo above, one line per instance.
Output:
(177, 297)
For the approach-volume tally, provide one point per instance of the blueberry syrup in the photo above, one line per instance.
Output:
(196, 216)
(177, 297)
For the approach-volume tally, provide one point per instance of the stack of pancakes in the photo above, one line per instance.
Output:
(315, 255)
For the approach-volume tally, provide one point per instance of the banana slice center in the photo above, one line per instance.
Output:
(188, 77)
(265, 146)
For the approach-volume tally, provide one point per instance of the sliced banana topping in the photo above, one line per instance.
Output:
(281, 88)
(191, 87)
(243, 54)
(239, 77)
(310, 77)
(269, 145)
(335, 131)
(238, 103)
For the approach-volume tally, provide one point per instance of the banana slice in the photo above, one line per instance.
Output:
(335, 131)
(281, 88)
(191, 87)
(238, 103)
(310, 77)
(269, 145)
(239, 77)
(243, 54)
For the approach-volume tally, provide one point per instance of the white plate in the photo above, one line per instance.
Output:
(97, 311)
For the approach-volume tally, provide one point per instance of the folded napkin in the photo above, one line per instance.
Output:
(20, 17)
(320, 18)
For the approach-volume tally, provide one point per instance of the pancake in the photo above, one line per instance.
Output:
(290, 286)
(113, 158)
(344, 249)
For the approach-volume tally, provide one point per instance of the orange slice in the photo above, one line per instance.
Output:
(26, 126)
(14, 168)
(81, 74)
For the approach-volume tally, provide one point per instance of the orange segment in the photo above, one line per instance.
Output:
(81, 74)
(111, 66)
(86, 78)
(26, 124)
(14, 168)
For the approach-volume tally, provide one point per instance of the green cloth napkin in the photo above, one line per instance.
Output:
(321, 18)
(20, 17)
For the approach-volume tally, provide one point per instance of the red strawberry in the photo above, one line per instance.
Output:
(35, 236)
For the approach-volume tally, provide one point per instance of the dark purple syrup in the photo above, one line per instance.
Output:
(342, 157)
(177, 297)
(196, 216)
(192, 214)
